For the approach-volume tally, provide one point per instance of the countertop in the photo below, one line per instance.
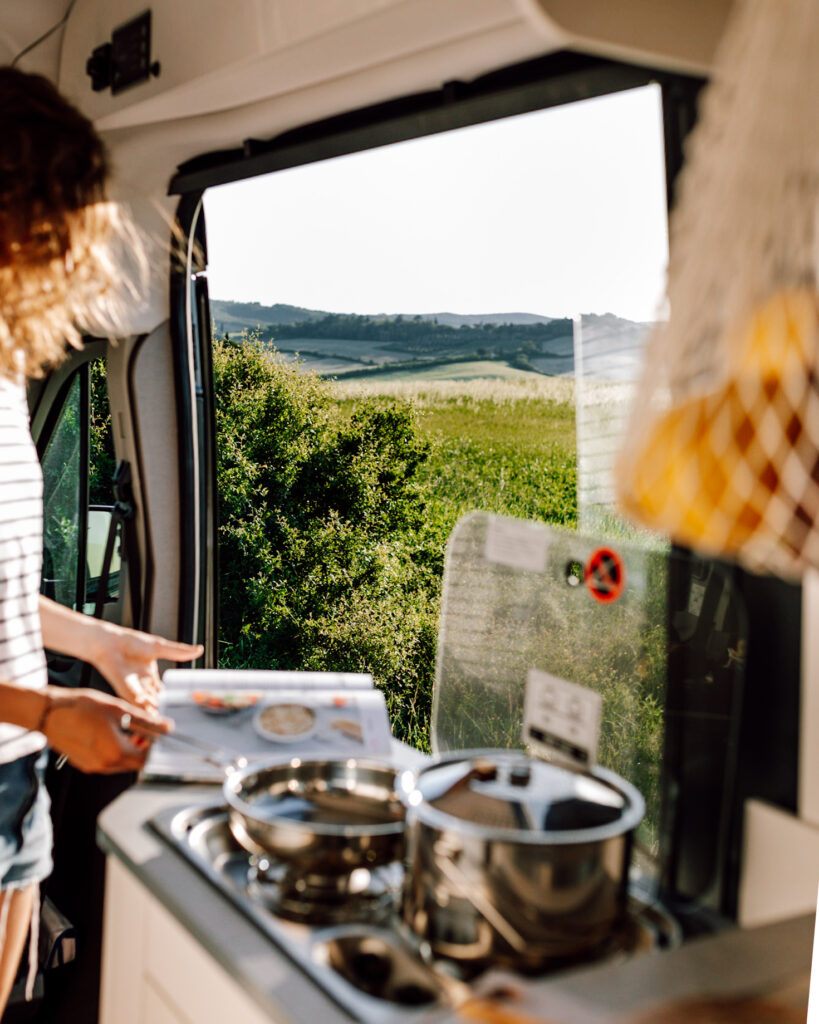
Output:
(773, 961)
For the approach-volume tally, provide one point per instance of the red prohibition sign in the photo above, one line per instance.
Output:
(605, 575)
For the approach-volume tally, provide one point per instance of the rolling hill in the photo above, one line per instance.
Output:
(353, 346)
(235, 316)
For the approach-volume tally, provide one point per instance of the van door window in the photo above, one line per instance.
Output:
(78, 466)
(64, 498)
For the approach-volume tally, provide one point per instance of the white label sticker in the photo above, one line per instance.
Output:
(561, 720)
(520, 545)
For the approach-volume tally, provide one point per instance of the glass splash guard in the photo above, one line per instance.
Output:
(660, 636)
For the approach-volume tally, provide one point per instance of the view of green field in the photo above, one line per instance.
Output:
(350, 444)
(476, 369)
(337, 498)
(504, 445)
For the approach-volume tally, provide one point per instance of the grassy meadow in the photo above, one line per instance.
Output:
(502, 445)
(443, 371)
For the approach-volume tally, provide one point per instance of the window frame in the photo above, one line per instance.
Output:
(550, 81)
(196, 420)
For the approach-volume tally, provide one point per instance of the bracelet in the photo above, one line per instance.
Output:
(47, 709)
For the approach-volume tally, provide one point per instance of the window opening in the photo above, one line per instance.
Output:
(395, 346)
(78, 465)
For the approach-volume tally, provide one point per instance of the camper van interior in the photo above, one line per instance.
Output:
(287, 452)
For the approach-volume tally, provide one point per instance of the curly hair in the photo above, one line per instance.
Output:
(56, 224)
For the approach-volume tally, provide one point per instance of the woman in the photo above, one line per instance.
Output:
(56, 232)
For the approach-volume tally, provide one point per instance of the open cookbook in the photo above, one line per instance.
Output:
(220, 716)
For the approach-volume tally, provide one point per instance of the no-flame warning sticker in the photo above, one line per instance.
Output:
(605, 575)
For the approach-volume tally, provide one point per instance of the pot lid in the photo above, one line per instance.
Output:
(507, 790)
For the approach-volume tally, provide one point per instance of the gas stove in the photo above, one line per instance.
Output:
(348, 936)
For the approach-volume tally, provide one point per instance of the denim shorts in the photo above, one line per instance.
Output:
(25, 822)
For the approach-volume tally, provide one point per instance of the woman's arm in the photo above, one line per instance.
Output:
(82, 724)
(125, 657)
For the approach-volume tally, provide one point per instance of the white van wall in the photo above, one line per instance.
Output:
(675, 36)
(23, 23)
(230, 72)
(143, 417)
(216, 56)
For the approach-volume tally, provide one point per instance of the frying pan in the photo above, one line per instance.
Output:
(324, 817)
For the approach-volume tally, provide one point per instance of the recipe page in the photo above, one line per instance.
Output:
(217, 724)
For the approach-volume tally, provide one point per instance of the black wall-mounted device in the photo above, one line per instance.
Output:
(126, 60)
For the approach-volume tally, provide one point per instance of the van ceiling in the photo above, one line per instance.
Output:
(257, 68)
(23, 23)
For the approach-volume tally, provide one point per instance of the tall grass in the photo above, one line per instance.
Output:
(426, 394)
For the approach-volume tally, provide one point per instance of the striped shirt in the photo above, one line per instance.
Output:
(22, 659)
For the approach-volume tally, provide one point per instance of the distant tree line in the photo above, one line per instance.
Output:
(417, 333)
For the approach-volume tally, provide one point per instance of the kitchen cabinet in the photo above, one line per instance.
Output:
(154, 972)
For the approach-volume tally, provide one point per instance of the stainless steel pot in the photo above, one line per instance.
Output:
(326, 818)
(512, 861)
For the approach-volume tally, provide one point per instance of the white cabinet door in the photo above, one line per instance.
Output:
(157, 1010)
(154, 971)
(192, 980)
(121, 998)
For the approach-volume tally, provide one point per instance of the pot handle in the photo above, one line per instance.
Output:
(471, 891)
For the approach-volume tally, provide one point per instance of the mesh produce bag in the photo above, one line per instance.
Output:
(722, 448)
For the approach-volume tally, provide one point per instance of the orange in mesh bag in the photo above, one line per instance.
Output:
(722, 446)
(736, 469)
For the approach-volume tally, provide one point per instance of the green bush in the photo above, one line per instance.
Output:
(101, 442)
(323, 563)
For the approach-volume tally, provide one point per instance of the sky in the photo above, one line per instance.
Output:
(557, 212)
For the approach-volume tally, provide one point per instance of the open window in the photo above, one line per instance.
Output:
(406, 290)
(71, 425)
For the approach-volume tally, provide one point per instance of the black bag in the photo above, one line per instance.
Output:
(57, 947)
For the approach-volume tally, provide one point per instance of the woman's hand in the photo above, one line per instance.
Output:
(125, 657)
(85, 726)
(128, 661)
